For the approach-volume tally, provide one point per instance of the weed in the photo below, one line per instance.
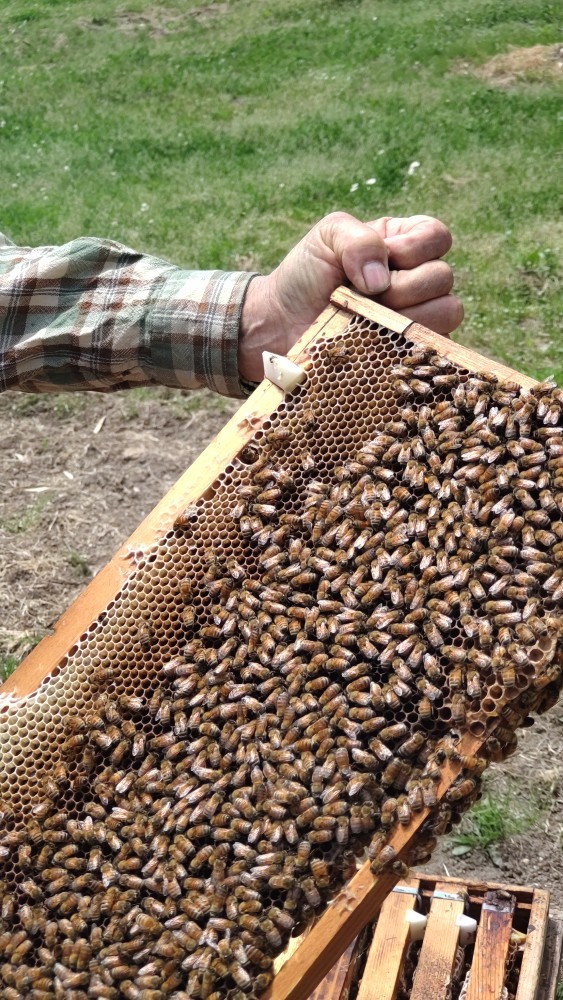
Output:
(26, 520)
(135, 397)
(67, 404)
(8, 663)
(79, 563)
(28, 402)
(26, 641)
(61, 405)
(494, 818)
(183, 405)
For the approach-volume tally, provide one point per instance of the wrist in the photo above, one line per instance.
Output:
(255, 330)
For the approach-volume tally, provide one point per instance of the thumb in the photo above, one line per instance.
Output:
(357, 249)
(337, 249)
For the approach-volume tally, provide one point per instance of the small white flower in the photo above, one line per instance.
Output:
(354, 187)
(413, 167)
(66, 167)
(144, 207)
(370, 181)
(2, 123)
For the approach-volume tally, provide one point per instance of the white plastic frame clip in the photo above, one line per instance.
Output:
(417, 924)
(467, 929)
(282, 372)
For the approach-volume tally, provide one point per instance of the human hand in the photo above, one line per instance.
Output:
(394, 260)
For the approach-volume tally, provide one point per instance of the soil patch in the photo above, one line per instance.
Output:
(78, 473)
(156, 21)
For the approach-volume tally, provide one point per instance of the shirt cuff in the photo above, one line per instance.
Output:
(192, 330)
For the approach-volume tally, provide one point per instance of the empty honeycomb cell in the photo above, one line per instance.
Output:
(279, 676)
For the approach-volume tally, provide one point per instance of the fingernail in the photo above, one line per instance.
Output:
(376, 276)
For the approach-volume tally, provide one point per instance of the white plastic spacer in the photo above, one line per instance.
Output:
(467, 929)
(282, 372)
(417, 923)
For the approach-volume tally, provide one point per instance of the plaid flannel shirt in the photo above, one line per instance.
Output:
(93, 314)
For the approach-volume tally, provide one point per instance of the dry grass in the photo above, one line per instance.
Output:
(535, 64)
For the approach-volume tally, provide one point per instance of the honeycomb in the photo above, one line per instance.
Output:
(275, 687)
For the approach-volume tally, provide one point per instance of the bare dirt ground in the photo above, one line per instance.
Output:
(77, 475)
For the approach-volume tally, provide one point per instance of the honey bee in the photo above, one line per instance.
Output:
(30, 888)
(188, 617)
(311, 892)
(425, 709)
(320, 872)
(277, 436)
(428, 689)
(383, 860)
(71, 745)
(508, 675)
(433, 634)
(461, 790)
(412, 745)
(470, 764)
(102, 675)
(241, 976)
(396, 773)
(388, 813)
(458, 708)
(145, 635)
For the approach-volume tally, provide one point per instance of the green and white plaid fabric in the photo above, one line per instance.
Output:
(94, 314)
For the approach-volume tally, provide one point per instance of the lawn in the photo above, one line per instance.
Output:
(214, 135)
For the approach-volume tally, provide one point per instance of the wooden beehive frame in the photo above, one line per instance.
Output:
(301, 968)
(198, 478)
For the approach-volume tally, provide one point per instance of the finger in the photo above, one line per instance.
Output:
(359, 249)
(442, 315)
(427, 281)
(412, 241)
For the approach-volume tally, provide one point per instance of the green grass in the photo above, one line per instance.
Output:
(180, 405)
(493, 819)
(208, 139)
(60, 405)
(27, 519)
(8, 663)
(80, 564)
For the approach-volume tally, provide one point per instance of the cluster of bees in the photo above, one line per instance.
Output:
(371, 617)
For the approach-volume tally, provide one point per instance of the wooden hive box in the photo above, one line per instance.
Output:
(166, 599)
(507, 952)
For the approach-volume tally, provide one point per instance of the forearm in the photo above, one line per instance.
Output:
(94, 314)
